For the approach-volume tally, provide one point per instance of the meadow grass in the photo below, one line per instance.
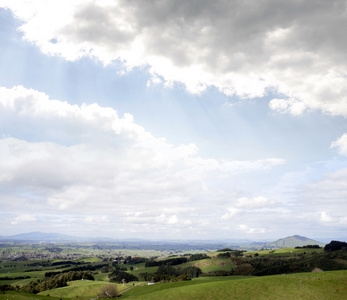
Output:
(322, 285)
(101, 276)
(211, 264)
(81, 288)
(140, 268)
(26, 296)
(206, 265)
(285, 252)
(89, 259)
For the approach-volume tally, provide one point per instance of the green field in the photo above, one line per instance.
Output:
(81, 288)
(211, 264)
(89, 259)
(285, 252)
(24, 296)
(140, 268)
(323, 285)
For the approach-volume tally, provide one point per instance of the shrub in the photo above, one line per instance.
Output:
(108, 291)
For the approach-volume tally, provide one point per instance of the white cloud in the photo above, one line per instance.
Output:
(256, 202)
(87, 161)
(172, 220)
(292, 105)
(324, 217)
(24, 219)
(341, 145)
(249, 230)
(231, 212)
(295, 47)
(326, 198)
(96, 219)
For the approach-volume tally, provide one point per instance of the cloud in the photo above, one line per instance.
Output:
(246, 204)
(327, 198)
(96, 219)
(296, 48)
(324, 217)
(341, 145)
(256, 202)
(249, 230)
(231, 212)
(90, 164)
(292, 105)
(24, 219)
(172, 220)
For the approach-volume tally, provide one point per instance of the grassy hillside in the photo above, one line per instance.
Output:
(284, 252)
(25, 296)
(80, 288)
(322, 285)
(211, 264)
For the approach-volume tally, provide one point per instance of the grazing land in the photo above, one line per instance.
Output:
(325, 285)
(88, 271)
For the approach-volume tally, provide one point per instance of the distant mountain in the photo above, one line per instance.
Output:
(41, 236)
(292, 242)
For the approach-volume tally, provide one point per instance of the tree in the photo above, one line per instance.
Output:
(335, 245)
(118, 276)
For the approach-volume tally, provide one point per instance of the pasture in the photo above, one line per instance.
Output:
(323, 285)
(81, 288)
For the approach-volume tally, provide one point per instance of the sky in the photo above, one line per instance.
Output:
(174, 119)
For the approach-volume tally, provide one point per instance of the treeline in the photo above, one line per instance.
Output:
(170, 273)
(169, 262)
(88, 267)
(309, 247)
(56, 281)
(228, 254)
(261, 266)
(121, 277)
(176, 261)
(44, 263)
(198, 256)
(66, 262)
(134, 260)
(8, 287)
(225, 250)
(54, 249)
(14, 278)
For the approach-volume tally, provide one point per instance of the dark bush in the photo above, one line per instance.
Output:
(334, 246)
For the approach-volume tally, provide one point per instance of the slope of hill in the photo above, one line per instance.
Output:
(325, 285)
(292, 242)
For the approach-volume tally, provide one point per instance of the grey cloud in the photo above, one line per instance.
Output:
(93, 23)
(247, 48)
(218, 28)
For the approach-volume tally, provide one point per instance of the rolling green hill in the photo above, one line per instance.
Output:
(80, 288)
(322, 285)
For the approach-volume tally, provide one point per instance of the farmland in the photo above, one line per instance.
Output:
(85, 270)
